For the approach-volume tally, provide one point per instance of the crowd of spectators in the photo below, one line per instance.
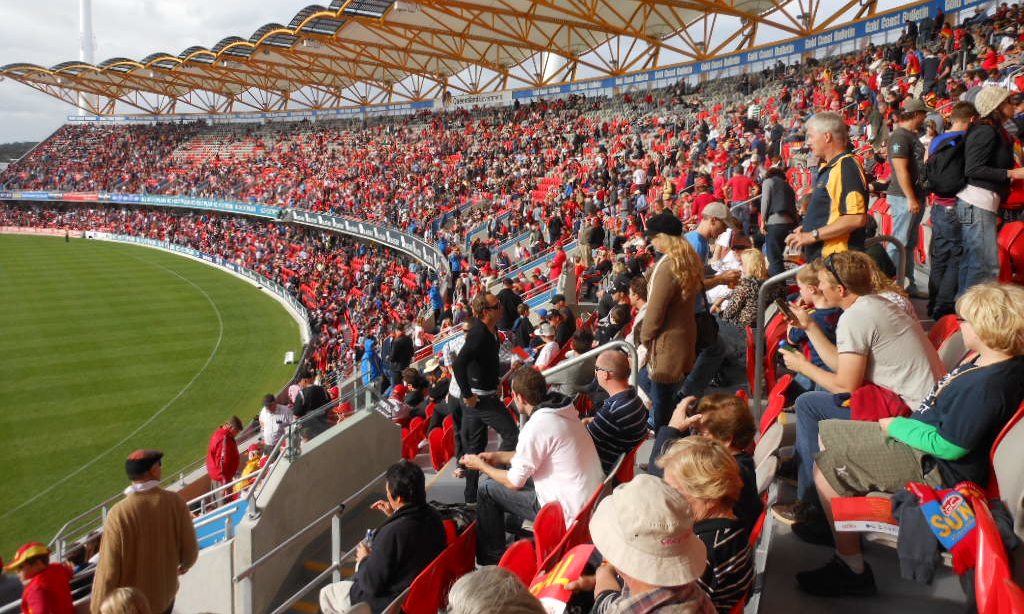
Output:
(681, 211)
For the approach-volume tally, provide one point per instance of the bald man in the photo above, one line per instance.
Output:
(620, 424)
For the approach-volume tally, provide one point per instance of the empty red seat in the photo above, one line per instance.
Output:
(548, 529)
(520, 559)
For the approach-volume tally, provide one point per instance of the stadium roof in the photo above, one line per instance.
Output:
(380, 51)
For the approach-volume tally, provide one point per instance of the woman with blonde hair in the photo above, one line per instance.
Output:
(669, 330)
(125, 600)
(708, 476)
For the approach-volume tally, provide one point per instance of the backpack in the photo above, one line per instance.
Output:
(944, 170)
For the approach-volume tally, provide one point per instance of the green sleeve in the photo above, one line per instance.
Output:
(924, 437)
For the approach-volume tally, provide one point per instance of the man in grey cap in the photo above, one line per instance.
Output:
(906, 189)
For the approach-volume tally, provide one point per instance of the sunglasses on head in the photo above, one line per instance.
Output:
(832, 269)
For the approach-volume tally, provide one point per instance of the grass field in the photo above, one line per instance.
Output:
(107, 348)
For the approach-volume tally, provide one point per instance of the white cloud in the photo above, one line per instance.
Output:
(46, 33)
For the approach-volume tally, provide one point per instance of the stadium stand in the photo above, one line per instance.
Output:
(563, 190)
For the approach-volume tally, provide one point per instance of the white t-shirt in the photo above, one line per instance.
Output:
(556, 450)
(900, 357)
(546, 355)
(273, 425)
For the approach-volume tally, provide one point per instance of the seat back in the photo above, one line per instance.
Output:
(943, 329)
(428, 593)
(437, 456)
(628, 468)
(993, 567)
(520, 559)
(448, 440)
(775, 331)
(1007, 454)
(548, 529)
(953, 350)
(765, 472)
(776, 403)
(751, 358)
(768, 443)
(1011, 253)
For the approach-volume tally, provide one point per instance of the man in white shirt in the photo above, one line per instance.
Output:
(554, 460)
(274, 420)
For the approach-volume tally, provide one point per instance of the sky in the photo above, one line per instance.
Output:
(45, 32)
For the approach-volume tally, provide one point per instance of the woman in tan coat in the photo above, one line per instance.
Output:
(669, 329)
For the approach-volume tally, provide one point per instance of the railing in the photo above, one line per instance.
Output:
(611, 345)
(757, 394)
(245, 577)
(540, 258)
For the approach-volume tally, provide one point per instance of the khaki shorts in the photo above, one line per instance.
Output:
(858, 458)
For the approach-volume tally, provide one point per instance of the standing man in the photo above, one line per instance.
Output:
(310, 398)
(906, 190)
(554, 460)
(222, 456)
(477, 373)
(274, 419)
(510, 302)
(401, 353)
(837, 213)
(148, 538)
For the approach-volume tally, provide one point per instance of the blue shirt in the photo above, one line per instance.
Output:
(703, 247)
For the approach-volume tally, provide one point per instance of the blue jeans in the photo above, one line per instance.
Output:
(493, 501)
(708, 362)
(663, 397)
(980, 262)
(906, 227)
(812, 408)
(775, 247)
(944, 255)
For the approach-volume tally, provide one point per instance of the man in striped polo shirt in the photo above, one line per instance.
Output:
(620, 424)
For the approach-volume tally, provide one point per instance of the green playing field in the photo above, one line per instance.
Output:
(107, 348)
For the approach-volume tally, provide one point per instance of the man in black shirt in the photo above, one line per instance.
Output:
(311, 397)
(401, 353)
(510, 302)
(477, 374)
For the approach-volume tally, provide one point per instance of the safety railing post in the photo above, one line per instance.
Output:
(336, 546)
(246, 588)
(757, 393)
(292, 452)
(901, 251)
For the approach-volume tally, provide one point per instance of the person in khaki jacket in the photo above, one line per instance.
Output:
(669, 330)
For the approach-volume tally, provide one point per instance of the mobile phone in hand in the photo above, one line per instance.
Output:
(784, 308)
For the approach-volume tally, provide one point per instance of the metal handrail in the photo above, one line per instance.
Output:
(757, 394)
(248, 571)
(611, 345)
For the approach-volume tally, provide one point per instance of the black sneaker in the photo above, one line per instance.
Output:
(787, 471)
(814, 531)
(836, 579)
(792, 513)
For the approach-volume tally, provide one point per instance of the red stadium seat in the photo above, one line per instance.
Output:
(628, 468)
(776, 403)
(520, 559)
(548, 529)
(437, 456)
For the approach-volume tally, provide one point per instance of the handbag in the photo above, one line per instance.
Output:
(707, 325)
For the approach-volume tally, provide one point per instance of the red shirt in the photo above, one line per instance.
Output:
(49, 592)
(222, 457)
(739, 187)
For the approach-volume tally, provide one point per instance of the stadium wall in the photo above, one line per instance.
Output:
(366, 231)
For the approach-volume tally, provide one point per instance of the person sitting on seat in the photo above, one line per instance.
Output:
(554, 460)
(620, 424)
(402, 547)
(947, 440)
(492, 590)
(876, 342)
(725, 418)
(644, 530)
(704, 472)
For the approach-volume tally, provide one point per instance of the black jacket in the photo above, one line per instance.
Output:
(403, 547)
(510, 302)
(988, 155)
(476, 366)
(401, 353)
